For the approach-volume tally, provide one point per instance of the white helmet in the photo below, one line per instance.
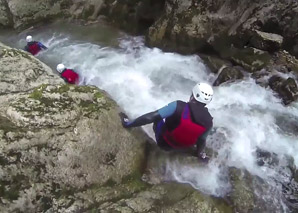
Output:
(60, 68)
(203, 93)
(29, 38)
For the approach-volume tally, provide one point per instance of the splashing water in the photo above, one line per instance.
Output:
(247, 117)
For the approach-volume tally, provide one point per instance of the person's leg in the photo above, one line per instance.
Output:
(158, 129)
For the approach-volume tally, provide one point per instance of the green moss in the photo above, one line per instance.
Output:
(89, 106)
(10, 189)
(6, 125)
(98, 95)
(37, 93)
(61, 89)
(110, 183)
(85, 89)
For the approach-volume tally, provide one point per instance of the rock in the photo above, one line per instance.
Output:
(214, 63)
(266, 158)
(242, 194)
(87, 10)
(283, 58)
(285, 88)
(250, 58)
(266, 41)
(228, 74)
(21, 71)
(60, 137)
(134, 16)
(5, 16)
(29, 12)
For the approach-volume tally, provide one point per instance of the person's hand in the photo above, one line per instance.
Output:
(124, 119)
(203, 157)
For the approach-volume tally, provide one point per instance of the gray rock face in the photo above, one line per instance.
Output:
(4, 14)
(22, 72)
(196, 25)
(30, 11)
(286, 88)
(266, 41)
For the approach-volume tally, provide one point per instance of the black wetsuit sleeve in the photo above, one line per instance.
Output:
(144, 119)
(201, 143)
(66, 81)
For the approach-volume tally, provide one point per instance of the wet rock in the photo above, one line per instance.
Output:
(250, 58)
(228, 74)
(285, 88)
(283, 58)
(266, 158)
(266, 41)
(241, 195)
(214, 63)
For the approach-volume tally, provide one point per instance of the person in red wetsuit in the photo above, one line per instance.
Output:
(180, 125)
(69, 75)
(34, 47)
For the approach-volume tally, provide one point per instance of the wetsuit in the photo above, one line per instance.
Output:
(70, 76)
(34, 47)
(168, 121)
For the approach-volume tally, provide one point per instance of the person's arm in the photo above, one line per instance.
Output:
(149, 117)
(201, 143)
(26, 48)
(65, 79)
(42, 46)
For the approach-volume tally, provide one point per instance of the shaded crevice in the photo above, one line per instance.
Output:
(9, 14)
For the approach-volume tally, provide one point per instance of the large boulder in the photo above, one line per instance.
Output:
(266, 41)
(60, 137)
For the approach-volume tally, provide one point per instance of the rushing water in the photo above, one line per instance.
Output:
(247, 117)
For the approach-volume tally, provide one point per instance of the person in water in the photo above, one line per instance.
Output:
(69, 75)
(180, 125)
(34, 47)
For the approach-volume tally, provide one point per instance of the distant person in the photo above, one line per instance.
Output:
(34, 47)
(68, 75)
(180, 125)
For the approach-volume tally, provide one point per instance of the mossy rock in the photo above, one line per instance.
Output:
(242, 195)
(45, 103)
(250, 58)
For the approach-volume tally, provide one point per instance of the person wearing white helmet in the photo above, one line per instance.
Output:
(180, 125)
(68, 75)
(34, 47)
